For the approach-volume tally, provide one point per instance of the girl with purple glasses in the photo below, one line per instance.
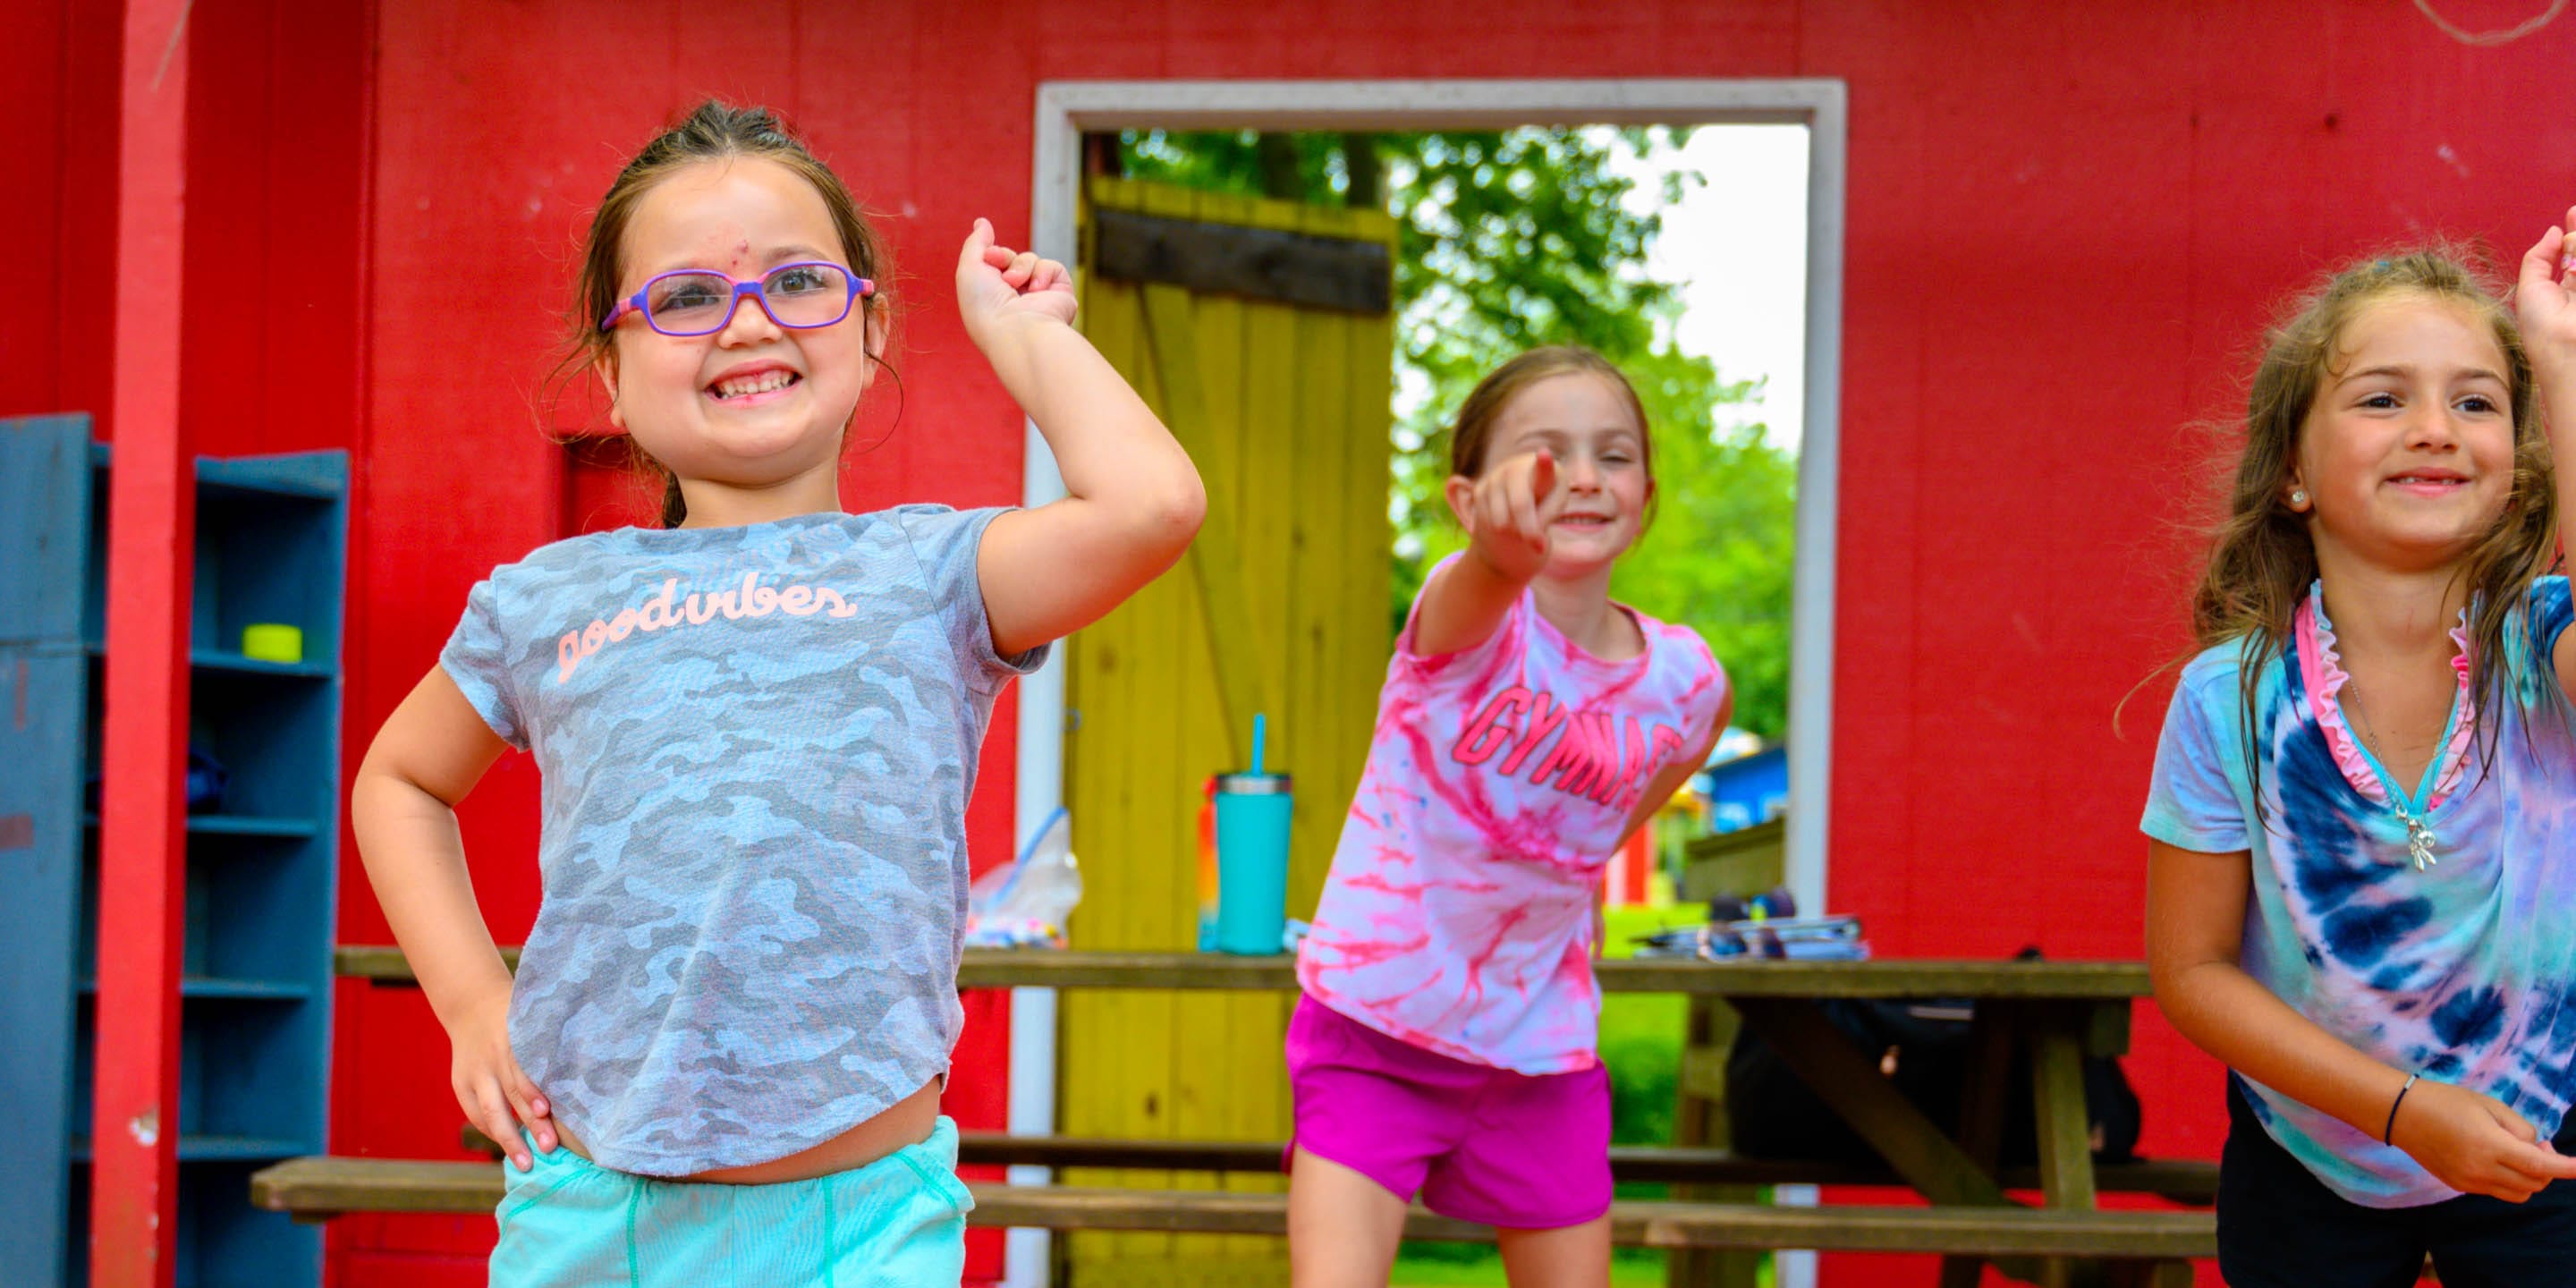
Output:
(721, 1059)
(2362, 825)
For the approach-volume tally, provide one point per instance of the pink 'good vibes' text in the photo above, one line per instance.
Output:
(667, 611)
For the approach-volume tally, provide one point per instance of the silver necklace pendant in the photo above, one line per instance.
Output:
(2419, 836)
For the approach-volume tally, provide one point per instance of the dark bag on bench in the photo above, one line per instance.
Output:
(1924, 1048)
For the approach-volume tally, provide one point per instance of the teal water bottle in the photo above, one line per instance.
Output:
(1251, 862)
(1252, 811)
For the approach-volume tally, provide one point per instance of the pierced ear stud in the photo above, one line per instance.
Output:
(2298, 498)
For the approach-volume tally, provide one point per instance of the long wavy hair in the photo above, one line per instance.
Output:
(2262, 561)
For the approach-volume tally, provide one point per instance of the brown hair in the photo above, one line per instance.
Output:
(2262, 560)
(713, 131)
(1474, 428)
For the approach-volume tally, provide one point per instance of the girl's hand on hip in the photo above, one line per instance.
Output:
(998, 286)
(490, 1088)
(2474, 1144)
(1509, 512)
(2545, 300)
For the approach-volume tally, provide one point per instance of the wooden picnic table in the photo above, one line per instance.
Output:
(2051, 1013)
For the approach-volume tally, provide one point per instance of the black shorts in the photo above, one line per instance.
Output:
(2280, 1227)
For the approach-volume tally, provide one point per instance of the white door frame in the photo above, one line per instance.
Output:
(1066, 110)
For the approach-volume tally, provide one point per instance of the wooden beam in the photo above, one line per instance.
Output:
(1983, 1105)
(2065, 1129)
(2190, 1182)
(1343, 274)
(134, 1217)
(2112, 984)
(1982, 980)
(318, 1188)
(1850, 1083)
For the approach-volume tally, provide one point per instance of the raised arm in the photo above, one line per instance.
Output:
(2195, 929)
(1132, 499)
(2547, 312)
(429, 754)
(1506, 512)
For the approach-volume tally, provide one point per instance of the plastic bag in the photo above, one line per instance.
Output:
(1025, 903)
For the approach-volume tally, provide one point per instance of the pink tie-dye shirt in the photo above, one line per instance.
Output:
(1458, 915)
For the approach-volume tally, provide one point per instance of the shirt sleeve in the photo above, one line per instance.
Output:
(1513, 624)
(477, 659)
(2548, 610)
(2191, 802)
(1721, 685)
(946, 542)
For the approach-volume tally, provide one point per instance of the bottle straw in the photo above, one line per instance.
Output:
(1260, 734)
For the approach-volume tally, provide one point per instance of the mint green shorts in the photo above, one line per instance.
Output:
(899, 1222)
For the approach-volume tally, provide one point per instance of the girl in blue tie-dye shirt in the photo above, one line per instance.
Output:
(2363, 818)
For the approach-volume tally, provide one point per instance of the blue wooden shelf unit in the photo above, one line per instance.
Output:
(255, 1032)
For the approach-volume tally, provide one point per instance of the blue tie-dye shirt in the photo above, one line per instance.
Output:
(2460, 970)
(756, 744)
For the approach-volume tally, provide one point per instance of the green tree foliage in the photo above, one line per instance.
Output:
(1518, 238)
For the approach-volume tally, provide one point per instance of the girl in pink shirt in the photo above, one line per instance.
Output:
(1444, 1044)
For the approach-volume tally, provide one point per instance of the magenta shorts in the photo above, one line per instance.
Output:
(1477, 1143)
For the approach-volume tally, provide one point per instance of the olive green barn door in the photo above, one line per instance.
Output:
(1260, 332)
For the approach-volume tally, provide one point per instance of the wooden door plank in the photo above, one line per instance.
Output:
(1202, 1057)
(1099, 1067)
(1245, 1077)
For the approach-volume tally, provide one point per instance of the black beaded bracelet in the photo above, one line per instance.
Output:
(2391, 1128)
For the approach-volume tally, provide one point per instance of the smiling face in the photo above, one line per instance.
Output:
(1588, 424)
(752, 404)
(2407, 453)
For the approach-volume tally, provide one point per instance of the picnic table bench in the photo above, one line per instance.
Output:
(320, 1188)
(2050, 1013)
(2185, 1182)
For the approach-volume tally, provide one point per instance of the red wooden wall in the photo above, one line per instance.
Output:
(58, 80)
(2065, 224)
(274, 288)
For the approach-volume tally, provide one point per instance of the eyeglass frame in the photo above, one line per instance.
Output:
(860, 288)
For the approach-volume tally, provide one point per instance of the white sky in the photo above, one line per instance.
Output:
(1740, 243)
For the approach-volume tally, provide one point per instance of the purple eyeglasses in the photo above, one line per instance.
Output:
(699, 301)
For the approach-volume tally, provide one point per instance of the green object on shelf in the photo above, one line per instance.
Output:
(272, 642)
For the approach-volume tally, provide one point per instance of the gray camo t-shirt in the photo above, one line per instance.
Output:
(757, 744)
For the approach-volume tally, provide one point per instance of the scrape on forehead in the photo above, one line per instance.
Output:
(725, 213)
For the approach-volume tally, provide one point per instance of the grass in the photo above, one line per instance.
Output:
(1416, 1268)
(1641, 1042)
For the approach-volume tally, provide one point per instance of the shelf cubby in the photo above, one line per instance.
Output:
(261, 859)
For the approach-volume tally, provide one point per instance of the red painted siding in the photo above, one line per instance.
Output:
(2065, 223)
(58, 88)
